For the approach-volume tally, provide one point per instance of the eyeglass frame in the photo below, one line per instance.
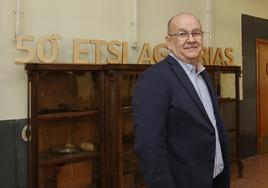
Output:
(186, 35)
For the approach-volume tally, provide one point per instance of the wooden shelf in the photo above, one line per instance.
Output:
(131, 166)
(48, 158)
(129, 152)
(126, 109)
(131, 170)
(128, 139)
(228, 99)
(232, 130)
(70, 114)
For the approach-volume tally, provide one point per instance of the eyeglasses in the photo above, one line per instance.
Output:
(185, 35)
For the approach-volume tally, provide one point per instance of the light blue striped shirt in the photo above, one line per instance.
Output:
(203, 93)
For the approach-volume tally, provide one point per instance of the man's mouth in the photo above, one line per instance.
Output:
(190, 47)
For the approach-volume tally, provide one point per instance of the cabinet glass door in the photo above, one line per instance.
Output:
(67, 129)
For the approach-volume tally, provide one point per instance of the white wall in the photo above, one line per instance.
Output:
(13, 98)
(104, 20)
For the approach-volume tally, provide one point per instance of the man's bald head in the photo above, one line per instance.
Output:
(178, 17)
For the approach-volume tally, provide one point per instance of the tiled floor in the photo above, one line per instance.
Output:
(255, 173)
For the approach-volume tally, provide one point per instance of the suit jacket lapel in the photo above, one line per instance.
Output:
(186, 82)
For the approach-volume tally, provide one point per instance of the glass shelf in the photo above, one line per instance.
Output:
(69, 114)
(48, 158)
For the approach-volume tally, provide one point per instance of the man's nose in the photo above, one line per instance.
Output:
(191, 38)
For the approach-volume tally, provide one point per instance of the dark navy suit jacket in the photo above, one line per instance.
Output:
(174, 137)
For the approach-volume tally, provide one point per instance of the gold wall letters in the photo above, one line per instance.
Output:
(209, 58)
(47, 51)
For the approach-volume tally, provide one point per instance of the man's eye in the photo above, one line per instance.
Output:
(196, 34)
(182, 34)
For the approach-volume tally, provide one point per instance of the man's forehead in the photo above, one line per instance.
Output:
(185, 20)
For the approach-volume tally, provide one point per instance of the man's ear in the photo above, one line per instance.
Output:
(168, 41)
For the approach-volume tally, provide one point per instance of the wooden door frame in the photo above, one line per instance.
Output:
(259, 127)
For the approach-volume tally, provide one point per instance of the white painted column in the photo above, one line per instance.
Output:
(134, 41)
(208, 25)
(18, 16)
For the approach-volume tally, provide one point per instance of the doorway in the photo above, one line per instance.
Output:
(262, 94)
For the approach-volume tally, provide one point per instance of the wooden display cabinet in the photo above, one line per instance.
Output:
(65, 110)
(226, 83)
(70, 105)
(122, 163)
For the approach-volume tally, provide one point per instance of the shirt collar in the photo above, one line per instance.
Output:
(188, 68)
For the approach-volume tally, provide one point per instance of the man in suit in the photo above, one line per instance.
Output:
(179, 134)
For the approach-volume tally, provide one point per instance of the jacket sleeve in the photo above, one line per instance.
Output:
(150, 111)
